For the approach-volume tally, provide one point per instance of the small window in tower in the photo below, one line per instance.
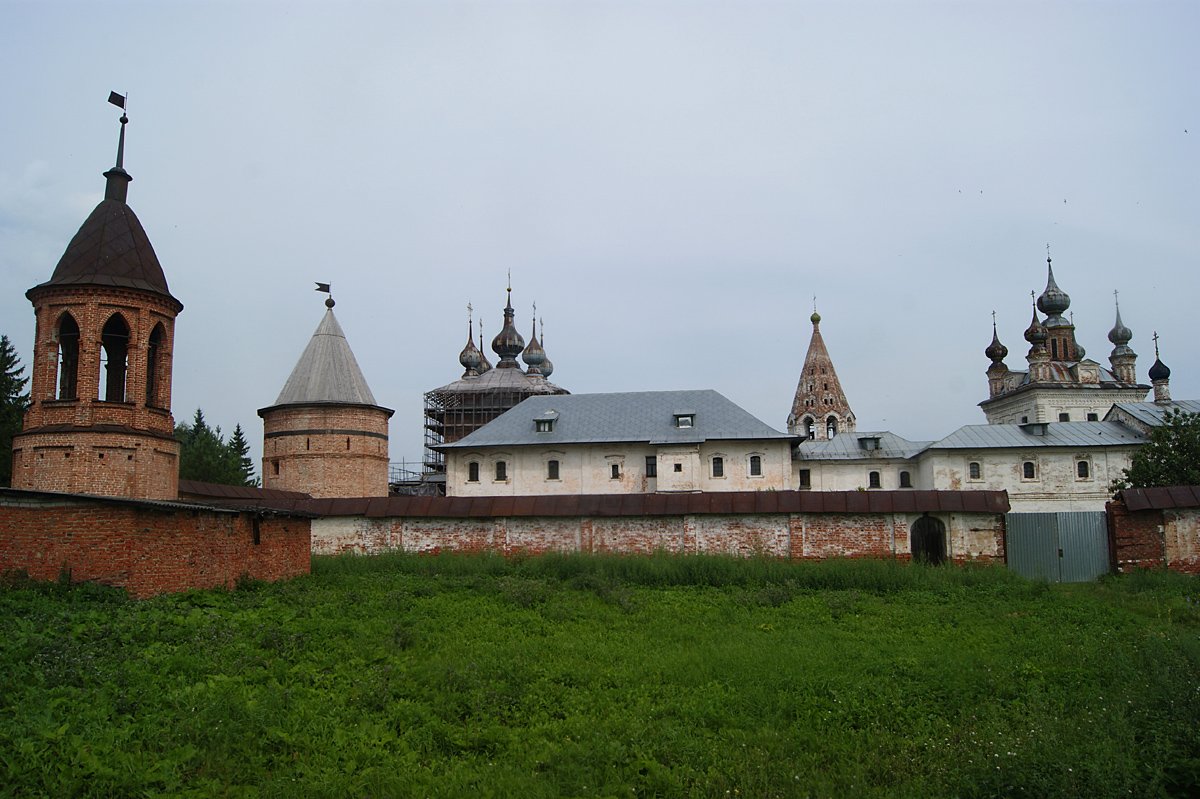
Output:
(347, 442)
(905, 480)
(308, 443)
(756, 466)
(501, 471)
(473, 472)
(651, 466)
(1024, 420)
(805, 478)
(1093, 417)
(718, 467)
(811, 429)
(1028, 470)
(1083, 470)
(873, 480)
(826, 387)
(1064, 417)
(68, 357)
(974, 471)
(831, 427)
(552, 470)
(614, 471)
(275, 467)
(679, 467)
(1054, 349)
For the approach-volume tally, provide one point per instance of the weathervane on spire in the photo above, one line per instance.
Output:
(119, 100)
(324, 287)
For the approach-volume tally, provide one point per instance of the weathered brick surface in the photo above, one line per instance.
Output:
(114, 448)
(1135, 539)
(1154, 538)
(145, 549)
(970, 536)
(326, 450)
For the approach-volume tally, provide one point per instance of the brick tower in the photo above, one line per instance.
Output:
(325, 435)
(819, 410)
(100, 420)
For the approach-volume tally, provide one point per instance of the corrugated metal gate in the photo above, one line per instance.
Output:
(1058, 547)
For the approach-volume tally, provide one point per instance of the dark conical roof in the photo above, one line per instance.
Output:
(996, 351)
(1159, 371)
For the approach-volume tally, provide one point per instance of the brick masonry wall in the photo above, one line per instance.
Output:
(148, 550)
(326, 451)
(1135, 539)
(102, 463)
(970, 536)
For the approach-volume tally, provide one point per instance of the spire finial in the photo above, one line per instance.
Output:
(1155, 337)
(470, 322)
(324, 287)
(993, 321)
(117, 187)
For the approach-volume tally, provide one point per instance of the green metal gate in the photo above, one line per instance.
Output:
(1058, 547)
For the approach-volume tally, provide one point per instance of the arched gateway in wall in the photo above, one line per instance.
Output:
(927, 540)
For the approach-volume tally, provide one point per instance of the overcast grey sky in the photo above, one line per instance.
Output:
(672, 182)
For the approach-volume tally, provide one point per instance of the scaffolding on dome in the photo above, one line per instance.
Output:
(453, 415)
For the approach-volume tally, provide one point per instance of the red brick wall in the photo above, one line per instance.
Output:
(1135, 538)
(326, 451)
(148, 550)
(104, 463)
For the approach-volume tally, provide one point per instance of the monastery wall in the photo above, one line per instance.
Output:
(146, 548)
(1152, 539)
(969, 536)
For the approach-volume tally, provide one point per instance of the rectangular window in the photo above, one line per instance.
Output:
(1064, 417)
(873, 480)
(974, 471)
(685, 420)
(905, 480)
(615, 471)
(501, 471)
(543, 425)
(1028, 470)
(651, 466)
(805, 478)
(755, 466)
(551, 470)
(1093, 417)
(718, 467)
(679, 467)
(473, 472)
(1083, 470)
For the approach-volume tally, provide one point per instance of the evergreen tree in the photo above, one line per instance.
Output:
(13, 402)
(1172, 458)
(239, 448)
(205, 455)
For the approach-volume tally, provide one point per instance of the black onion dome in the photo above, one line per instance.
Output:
(1036, 333)
(1159, 371)
(1053, 300)
(1120, 335)
(508, 343)
(996, 351)
(470, 357)
(534, 356)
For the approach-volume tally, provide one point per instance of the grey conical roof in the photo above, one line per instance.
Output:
(327, 371)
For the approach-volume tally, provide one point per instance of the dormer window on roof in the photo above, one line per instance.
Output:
(544, 422)
(869, 443)
(685, 420)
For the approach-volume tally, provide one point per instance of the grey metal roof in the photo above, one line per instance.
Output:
(327, 371)
(1058, 434)
(1152, 413)
(848, 446)
(647, 416)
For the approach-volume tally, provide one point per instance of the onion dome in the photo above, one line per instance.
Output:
(508, 343)
(1053, 300)
(470, 357)
(484, 364)
(815, 318)
(1036, 334)
(547, 364)
(1120, 335)
(1080, 352)
(1159, 371)
(996, 351)
(534, 356)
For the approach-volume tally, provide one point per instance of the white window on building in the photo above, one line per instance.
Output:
(905, 480)
(552, 470)
(1029, 470)
(873, 480)
(756, 465)
(1083, 469)
(718, 466)
(974, 471)
(501, 471)
(473, 472)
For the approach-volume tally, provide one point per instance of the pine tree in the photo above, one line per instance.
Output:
(239, 449)
(204, 455)
(13, 402)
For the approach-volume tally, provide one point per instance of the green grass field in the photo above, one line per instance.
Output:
(606, 676)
